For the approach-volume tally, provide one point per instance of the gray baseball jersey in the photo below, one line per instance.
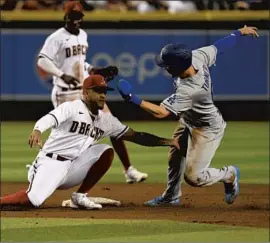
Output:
(192, 101)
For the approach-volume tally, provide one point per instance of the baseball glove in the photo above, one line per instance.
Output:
(108, 73)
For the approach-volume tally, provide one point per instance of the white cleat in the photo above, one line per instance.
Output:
(80, 200)
(134, 176)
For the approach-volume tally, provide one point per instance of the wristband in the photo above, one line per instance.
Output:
(135, 99)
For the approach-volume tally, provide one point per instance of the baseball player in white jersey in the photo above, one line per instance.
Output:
(201, 126)
(71, 155)
(63, 55)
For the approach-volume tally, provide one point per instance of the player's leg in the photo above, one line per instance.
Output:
(176, 168)
(44, 176)
(19, 198)
(132, 175)
(58, 96)
(177, 164)
(54, 96)
(87, 170)
(202, 146)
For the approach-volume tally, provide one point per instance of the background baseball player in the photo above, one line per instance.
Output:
(71, 155)
(64, 56)
(201, 126)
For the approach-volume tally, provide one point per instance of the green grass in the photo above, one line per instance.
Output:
(75, 230)
(245, 144)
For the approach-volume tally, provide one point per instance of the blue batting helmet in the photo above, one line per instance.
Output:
(175, 56)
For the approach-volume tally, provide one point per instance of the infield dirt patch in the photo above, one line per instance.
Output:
(198, 205)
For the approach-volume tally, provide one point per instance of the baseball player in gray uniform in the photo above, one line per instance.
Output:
(71, 155)
(201, 125)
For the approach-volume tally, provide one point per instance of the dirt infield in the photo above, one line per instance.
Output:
(199, 205)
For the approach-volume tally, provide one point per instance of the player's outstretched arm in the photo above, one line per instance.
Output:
(230, 41)
(157, 111)
(125, 89)
(147, 139)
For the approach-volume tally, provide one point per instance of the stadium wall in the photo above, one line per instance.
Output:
(240, 78)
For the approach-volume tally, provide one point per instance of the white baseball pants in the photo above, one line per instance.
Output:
(58, 96)
(46, 174)
(202, 146)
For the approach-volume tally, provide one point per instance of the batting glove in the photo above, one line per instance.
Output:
(125, 89)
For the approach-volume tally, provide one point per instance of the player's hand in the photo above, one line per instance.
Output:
(70, 80)
(108, 73)
(249, 31)
(35, 139)
(125, 90)
(175, 143)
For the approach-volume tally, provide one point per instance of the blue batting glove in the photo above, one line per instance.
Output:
(125, 89)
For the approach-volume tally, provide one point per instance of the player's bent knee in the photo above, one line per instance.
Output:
(192, 180)
(35, 201)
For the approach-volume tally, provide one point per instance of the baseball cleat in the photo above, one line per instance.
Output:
(82, 201)
(134, 176)
(160, 201)
(232, 189)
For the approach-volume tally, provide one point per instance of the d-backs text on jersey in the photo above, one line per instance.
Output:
(86, 129)
(76, 50)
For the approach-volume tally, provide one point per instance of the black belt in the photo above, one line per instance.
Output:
(67, 89)
(58, 157)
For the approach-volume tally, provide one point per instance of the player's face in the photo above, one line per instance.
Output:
(97, 96)
(77, 23)
(172, 71)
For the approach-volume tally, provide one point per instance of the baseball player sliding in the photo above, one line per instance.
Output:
(201, 126)
(71, 155)
(63, 55)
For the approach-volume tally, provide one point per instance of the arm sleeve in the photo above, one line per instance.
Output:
(178, 102)
(47, 65)
(207, 55)
(63, 113)
(50, 48)
(227, 42)
(45, 122)
(115, 128)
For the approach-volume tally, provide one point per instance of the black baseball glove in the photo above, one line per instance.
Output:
(108, 73)
(70, 80)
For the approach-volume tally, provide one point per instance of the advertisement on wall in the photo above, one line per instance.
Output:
(240, 74)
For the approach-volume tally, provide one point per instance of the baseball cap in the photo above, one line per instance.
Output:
(96, 81)
(74, 9)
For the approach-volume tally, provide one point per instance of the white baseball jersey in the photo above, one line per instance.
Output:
(75, 129)
(68, 53)
(192, 100)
